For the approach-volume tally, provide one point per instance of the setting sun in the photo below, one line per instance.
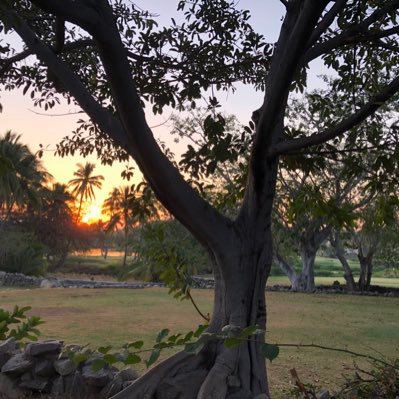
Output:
(92, 214)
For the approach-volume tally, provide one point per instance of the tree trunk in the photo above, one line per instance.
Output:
(308, 256)
(294, 277)
(219, 372)
(366, 270)
(339, 253)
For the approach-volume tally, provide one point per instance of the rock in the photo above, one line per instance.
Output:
(127, 375)
(323, 394)
(50, 283)
(38, 348)
(65, 366)
(8, 348)
(36, 385)
(18, 364)
(57, 389)
(95, 378)
(26, 376)
(44, 368)
(74, 387)
(9, 389)
(112, 388)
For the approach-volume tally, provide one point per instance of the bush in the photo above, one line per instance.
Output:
(21, 252)
(382, 382)
(164, 249)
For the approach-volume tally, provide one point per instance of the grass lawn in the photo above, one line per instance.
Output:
(111, 316)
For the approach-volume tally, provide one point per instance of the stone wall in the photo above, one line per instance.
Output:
(42, 370)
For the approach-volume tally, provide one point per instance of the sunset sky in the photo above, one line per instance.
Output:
(19, 113)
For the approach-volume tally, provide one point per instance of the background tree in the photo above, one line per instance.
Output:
(54, 225)
(124, 59)
(371, 233)
(22, 178)
(84, 184)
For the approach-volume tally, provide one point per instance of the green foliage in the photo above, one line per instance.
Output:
(380, 382)
(166, 251)
(15, 324)
(22, 175)
(21, 252)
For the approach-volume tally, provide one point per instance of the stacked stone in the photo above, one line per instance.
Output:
(18, 280)
(41, 368)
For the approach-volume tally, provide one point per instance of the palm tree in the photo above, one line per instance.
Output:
(22, 175)
(55, 225)
(118, 206)
(84, 184)
(128, 206)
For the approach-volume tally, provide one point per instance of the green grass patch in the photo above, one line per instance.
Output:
(106, 316)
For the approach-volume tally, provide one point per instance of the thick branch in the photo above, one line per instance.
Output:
(134, 134)
(355, 119)
(84, 13)
(327, 20)
(101, 116)
(295, 33)
(6, 63)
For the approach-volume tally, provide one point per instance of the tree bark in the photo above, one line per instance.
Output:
(308, 256)
(219, 372)
(335, 241)
(366, 270)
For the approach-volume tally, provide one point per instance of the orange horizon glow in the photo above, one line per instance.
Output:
(92, 214)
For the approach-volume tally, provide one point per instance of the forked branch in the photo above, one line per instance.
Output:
(342, 127)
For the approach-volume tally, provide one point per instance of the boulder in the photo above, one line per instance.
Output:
(9, 389)
(17, 364)
(8, 348)
(65, 366)
(44, 368)
(41, 347)
(57, 389)
(127, 375)
(96, 378)
(36, 385)
(50, 283)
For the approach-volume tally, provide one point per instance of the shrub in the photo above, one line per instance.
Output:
(21, 252)
(382, 382)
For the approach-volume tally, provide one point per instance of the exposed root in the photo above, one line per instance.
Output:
(145, 386)
(215, 385)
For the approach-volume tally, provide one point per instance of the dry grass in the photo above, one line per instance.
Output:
(111, 316)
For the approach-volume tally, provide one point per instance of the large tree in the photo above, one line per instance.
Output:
(110, 59)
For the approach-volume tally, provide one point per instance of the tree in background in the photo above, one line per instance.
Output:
(110, 58)
(22, 178)
(371, 234)
(54, 224)
(84, 184)
(127, 207)
(321, 192)
(165, 251)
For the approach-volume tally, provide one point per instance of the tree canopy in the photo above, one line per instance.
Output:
(111, 58)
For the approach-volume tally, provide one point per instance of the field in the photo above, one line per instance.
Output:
(106, 316)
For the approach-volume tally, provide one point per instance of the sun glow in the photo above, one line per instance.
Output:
(92, 214)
